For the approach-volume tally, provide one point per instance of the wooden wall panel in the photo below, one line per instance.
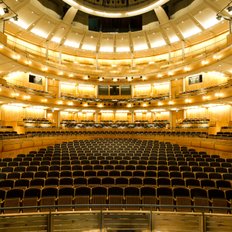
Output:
(160, 89)
(107, 116)
(86, 116)
(142, 116)
(142, 90)
(209, 79)
(10, 113)
(86, 91)
(34, 113)
(53, 87)
(176, 117)
(220, 114)
(22, 79)
(176, 87)
(121, 116)
(196, 113)
(161, 116)
(66, 116)
(68, 88)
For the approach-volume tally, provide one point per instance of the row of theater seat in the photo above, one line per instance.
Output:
(56, 179)
(133, 198)
(92, 166)
(195, 120)
(166, 185)
(109, 132)
(8, 135)
(108, 124)
(222, 135)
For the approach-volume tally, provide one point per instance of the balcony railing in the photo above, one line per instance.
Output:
(120, 220)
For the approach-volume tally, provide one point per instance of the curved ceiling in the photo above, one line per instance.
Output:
(116, 8)
(64, 28)
(45, 27)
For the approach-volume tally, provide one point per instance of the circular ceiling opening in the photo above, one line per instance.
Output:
(115, 8)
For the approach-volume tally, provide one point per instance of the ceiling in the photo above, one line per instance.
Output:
(42, 25)
(61, 26)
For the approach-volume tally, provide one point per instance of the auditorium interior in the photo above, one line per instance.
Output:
(116, 115)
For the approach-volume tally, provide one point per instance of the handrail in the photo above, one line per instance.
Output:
(151, 206)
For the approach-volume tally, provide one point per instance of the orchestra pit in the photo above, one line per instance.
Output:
(116, 115)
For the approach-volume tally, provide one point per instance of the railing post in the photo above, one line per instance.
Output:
(151, 221)
(101, 221)
(202, 223)
(50, 222)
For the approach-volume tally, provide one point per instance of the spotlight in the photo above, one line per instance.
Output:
(6, 10)
(229, 8)
(218, 17)
(100, 78)
(15, 18)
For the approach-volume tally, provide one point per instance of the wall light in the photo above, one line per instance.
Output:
(188, 101)
(70, 103)
(44, 68)
(218, 94)
(86, 77)
(204, 62)
(170, 73)
(85, 104)
(144, 105)
(60, 102)
(15, 94)
(206, 97)
(26, 97)
(115, 79)
(100, 78)
(129, 78)
(186, 69)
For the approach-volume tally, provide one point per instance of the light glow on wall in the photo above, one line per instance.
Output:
(39, 32)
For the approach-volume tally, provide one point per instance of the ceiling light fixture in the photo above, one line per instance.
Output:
(218, 17)
(229, 8)
(222, 14)
(6, 10)
(15, 18)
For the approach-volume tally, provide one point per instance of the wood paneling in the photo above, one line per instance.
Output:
(53, 86)
(221, 115)
(22, 79)
(209, 79)
(142, 90)
(160, 89)
(176, 87)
